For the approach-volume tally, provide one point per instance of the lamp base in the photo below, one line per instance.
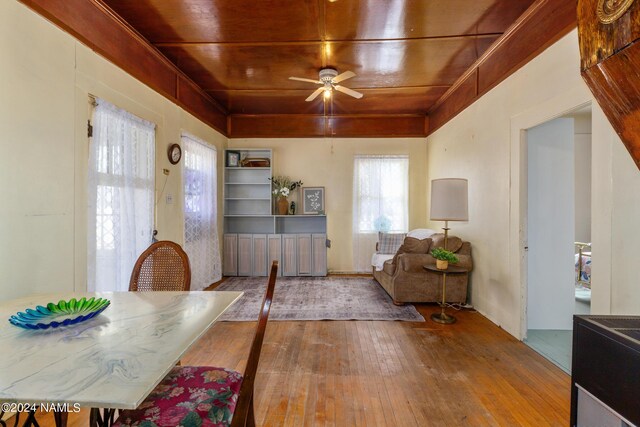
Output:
(443, 318)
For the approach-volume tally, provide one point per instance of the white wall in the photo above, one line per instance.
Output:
(328, 162)
(46, 77)
(582, 168)
(550, 224)
(484, 144)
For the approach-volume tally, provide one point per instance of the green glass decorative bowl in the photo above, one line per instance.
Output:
(64, 313)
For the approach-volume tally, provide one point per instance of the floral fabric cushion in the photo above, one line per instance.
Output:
(189, 396)
(389, 243)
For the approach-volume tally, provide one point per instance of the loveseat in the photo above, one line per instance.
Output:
(405, 279)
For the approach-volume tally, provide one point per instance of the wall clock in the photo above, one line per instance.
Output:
(174, 153)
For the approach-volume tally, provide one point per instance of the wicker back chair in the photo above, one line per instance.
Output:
(164, 266)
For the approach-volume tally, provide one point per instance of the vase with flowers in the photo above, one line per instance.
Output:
(282, 187)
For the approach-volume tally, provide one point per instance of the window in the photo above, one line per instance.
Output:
(121, 196)
(380, 202)
(200, 212)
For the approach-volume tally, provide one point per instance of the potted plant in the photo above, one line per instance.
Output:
(443, 258)
(282, 186)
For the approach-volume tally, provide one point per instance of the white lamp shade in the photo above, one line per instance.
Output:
(449, 199)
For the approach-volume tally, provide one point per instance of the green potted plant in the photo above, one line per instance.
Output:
(443, 258)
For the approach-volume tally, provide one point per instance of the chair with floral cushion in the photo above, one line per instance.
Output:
(205, 396)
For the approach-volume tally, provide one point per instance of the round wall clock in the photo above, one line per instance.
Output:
(175, 153)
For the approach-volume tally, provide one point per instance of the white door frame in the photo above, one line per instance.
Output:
(556, 107)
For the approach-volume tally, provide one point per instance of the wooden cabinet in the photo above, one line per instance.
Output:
(289, 255)
(245, 254)
(319, 251)
(274, 251)
(304, 255)
(299, 254)
(230, 255)
(259, 255)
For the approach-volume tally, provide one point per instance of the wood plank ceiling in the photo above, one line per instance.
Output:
(406, 53)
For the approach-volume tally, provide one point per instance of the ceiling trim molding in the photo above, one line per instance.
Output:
(319, 126)
(544, 23)
(97, 26)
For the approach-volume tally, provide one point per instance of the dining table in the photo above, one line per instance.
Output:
(113, 360)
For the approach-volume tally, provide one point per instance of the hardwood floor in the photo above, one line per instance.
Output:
(356, 373)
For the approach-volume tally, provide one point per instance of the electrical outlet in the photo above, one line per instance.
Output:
(169, 198)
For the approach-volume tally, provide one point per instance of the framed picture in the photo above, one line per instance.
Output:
(313, 200)
(233, 159)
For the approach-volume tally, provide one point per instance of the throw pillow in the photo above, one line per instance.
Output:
(412, 245)
(389, 243)
(453, 243)
(421, 233)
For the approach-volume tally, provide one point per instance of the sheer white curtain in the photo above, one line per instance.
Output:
(200, 212)
(380, 203)
(121, 195)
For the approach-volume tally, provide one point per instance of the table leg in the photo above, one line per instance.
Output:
(443, 317)
(31, 420)
(61, 418)
(106, 419)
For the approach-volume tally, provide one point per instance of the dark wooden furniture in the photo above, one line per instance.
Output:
(609, 34)
(164, 266)
(443, 317)
(605, 366)
(243, 413)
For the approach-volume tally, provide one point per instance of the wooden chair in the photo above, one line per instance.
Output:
(164, 266)
(176, 400)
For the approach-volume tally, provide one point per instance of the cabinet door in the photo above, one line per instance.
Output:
(230, 255)
(289, 254)
(304, 255)
(259, 255)
(319, 242)
(245, 254)
(274, 246)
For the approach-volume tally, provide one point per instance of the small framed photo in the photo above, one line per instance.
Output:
(313, 200)
(233, 159)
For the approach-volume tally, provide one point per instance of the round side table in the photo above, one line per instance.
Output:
(443, 317)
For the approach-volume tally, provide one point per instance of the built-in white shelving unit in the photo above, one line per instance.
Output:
(254, 236)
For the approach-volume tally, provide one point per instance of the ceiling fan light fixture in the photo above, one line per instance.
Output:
(327, 93)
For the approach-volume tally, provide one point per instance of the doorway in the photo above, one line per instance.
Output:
(558, 176)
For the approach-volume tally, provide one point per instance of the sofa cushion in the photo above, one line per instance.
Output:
(453, 243)
(413, 246)
(377, 260)
(389, 243)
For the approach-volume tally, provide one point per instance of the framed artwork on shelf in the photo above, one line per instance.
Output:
(233, 159)
(313, 200)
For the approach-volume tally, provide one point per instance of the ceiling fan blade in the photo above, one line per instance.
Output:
(300, 79)
(344, 76)
(348, 91)
(315, 94)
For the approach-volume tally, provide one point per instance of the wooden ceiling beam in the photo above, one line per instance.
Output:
(318, 126)
(95, 25)
(544, 23)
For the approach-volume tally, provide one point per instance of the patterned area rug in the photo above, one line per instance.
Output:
(316, 298)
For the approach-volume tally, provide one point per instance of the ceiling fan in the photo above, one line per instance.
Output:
(329, 78)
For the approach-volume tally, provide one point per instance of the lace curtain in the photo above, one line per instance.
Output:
(200, 212)
(121, 196)
(380, 203)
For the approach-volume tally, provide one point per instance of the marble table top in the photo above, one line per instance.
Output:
(111, 361)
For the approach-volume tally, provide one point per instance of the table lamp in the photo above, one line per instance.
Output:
(449, 202)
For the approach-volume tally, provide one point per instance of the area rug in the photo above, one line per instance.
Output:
(316, 298)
